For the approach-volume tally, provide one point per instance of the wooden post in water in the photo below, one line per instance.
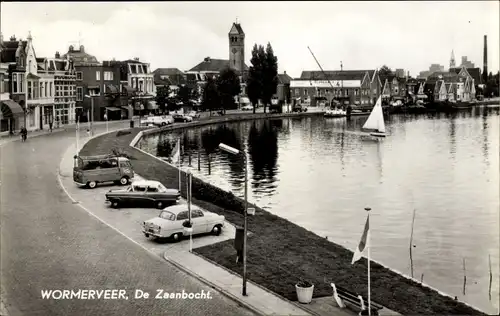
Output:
(411, 243)
(491, 276)
(465, 277)
(209, 165)
(199, 163)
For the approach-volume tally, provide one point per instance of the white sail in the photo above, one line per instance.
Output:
(376, 119)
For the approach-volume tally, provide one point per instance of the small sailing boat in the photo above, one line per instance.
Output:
(375, 121)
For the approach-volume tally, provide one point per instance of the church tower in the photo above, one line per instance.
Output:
(237, 47)
(452, 60)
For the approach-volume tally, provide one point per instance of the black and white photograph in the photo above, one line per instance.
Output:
(250, 158)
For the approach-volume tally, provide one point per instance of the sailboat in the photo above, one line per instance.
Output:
(375, 121)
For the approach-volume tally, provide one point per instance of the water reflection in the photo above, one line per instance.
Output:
(452, 134)
(263, 153)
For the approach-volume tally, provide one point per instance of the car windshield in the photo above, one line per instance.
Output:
(161, 188)
(167, 215)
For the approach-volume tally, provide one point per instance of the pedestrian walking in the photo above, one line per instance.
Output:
(50, 126)
(24, 134)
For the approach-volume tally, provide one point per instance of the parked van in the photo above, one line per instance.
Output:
(91, 170)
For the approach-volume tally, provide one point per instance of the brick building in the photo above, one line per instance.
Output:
(355, 87)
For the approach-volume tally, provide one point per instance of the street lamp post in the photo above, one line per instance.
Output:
(235, 151)
(91, 118)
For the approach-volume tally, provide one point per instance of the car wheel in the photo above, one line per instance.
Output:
(115, 204)
(91, 184)
(124, 181)
(159, 205)
(163, 124)
(217, 230)
(147, 235)
(176, 237)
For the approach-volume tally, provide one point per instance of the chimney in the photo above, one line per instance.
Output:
(71, 48)
(284, 72)
(58, 55)
(82, 49)
(1, 38)
(485, 60)
(12, 38)
(136, 58)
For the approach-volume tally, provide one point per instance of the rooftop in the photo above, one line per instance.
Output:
(79, 56)
(335, 74)
(212, 65)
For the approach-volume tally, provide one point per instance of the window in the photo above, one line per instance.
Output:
(30, 90)
(108, 75)
(152, 189)
(196, 213)
(182, 216)
(41, 89)
(79, 93)
(167, 215)
(47, 91)
(51, 89)
(79, 75)
(15, 83)
(98, 75)
(356, 92)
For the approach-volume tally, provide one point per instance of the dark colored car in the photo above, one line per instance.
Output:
(142, 193)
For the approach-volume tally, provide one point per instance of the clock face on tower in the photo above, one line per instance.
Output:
(234, 50)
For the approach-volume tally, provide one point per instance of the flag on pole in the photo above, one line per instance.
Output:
(362, 242)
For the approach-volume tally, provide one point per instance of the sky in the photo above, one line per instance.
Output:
(361, 35)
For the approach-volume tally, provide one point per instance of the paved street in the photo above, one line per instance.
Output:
(47, 243)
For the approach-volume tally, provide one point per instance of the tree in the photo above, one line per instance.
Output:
(184, 94)
(162, 94)
(385, 71)
(254, 82)
(269, 76)
(228, 86)
(210, 99)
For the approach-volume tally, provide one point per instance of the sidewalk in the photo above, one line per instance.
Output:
(258, 299)
(4, 139)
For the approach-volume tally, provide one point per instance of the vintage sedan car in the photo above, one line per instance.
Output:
(143, 192)
(169, 223)
(182, 118)
(247, 107)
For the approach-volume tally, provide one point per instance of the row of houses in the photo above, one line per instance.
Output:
(63, 89)
(363, 87)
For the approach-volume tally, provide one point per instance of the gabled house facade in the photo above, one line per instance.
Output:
(64, 94)
(29, 87)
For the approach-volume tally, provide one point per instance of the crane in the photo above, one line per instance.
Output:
(324, 74)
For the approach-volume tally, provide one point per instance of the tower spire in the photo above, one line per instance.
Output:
(452, 59)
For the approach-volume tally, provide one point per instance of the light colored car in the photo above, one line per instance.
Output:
(182, 118)
(169, 223)
(194, 114)
(157, 120)
(247, 107)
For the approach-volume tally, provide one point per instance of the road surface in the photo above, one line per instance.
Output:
(47, 243)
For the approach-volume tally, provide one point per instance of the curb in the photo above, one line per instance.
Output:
(299, 306)
(214, 286)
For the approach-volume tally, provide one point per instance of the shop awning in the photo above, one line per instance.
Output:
(110, 88)
(113, 108)
(11, 109)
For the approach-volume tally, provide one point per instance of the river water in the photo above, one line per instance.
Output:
(321, 173)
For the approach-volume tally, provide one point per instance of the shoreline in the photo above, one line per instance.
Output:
(225, 119)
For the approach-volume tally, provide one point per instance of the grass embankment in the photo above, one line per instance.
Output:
(281, 253)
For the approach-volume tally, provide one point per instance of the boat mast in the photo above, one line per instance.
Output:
(324, 74)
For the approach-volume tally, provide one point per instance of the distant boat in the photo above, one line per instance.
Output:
(335, 113)
(375, 122)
